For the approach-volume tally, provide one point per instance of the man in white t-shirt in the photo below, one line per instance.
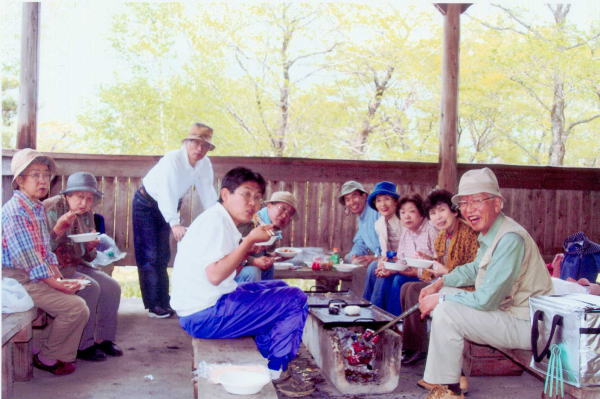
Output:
(206, 297)
(155, 212)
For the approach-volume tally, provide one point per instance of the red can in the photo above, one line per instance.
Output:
(316, 265)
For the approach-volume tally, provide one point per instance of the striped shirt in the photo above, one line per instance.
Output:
(25, 237)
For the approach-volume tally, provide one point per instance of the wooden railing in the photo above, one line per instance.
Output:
(549, 202)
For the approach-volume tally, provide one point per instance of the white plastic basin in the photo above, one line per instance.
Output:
(244, 382)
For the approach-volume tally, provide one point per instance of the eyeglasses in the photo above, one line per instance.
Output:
(285, 211)
(248, 197)
(39, 176)
(476, 203)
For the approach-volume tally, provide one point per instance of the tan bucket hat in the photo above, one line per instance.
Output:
(200, 131)
(349, 187)
(477, 181)
(25, 157)
(284, 196)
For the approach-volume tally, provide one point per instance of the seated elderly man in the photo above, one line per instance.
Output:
(507, 270)
(279, 211)
(365, 245)
(26, 257)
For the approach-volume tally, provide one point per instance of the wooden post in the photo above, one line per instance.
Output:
(28, 95)
(447, 177)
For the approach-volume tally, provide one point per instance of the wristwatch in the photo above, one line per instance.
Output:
(441, 298)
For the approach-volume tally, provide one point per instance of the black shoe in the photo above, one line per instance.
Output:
(413, 359)
(169, 309)
(110, 348)
(158, 312)
(92, 354)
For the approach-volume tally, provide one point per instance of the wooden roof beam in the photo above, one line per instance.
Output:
(447, 177)
(28, 92)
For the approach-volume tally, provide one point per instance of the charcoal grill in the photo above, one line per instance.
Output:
(325, 347)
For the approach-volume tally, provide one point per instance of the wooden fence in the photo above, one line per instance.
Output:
(549, 202)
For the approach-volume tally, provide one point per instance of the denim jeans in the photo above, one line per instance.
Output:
(385, 291)
(252, 273)
(151, 241)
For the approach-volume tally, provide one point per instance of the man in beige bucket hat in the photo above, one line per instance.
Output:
(507, 271)
(27, 257)
(279, 211)
(155, 212)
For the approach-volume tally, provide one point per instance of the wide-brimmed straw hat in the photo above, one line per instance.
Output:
(201, 132)
(477, 181)
(382, 188)
(284, 196)
(25, 157)
(349, 187)
(82, 181)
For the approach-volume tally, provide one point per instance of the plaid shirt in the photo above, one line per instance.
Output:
(25, 237)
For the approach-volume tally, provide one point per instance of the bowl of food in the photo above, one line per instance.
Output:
(397, 266)
(345, 267)
(244, 382)
(419, 263)
(287, 252)
(85, 237)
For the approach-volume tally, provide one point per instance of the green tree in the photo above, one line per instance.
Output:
(554, 68)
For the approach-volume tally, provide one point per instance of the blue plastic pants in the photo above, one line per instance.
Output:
(270, 311)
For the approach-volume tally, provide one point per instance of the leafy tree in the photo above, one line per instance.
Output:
(553, 66)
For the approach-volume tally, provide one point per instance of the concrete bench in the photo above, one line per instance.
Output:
(16, 349)
(235, 351)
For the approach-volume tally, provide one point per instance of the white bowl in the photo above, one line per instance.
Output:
(85, 237)
(244, 382)
(287, 252)
(419, 263)
(345, 267)
(395, 266)
(283, 265)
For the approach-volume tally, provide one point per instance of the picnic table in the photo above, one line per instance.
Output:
(326, 280)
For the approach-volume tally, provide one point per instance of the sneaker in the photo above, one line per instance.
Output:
(158, 312)
(278, 376)
(296, 388)
(443, 392)
(91, 354)
(110, 348)
(59, 368)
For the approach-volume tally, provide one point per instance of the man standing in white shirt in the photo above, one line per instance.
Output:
(155, 212)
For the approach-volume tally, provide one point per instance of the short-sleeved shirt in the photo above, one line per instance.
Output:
(211, 237)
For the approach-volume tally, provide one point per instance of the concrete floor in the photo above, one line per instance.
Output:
(157, 364)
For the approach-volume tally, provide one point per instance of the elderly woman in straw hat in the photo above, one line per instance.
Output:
(279, 211)
(27, 257)
(69, 213)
